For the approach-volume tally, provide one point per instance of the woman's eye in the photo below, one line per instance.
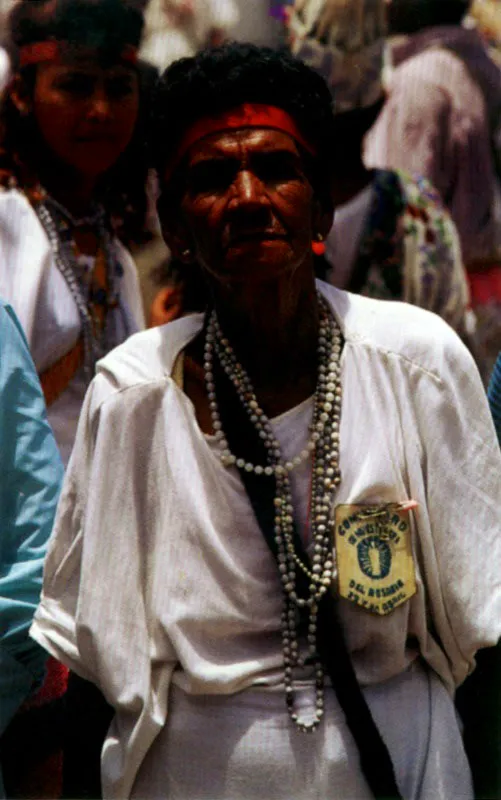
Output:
(276, 170)
(119, 87)
(81, 85)
(212, 177)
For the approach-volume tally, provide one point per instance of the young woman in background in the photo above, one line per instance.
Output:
(72, 166)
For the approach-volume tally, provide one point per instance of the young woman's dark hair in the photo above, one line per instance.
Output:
(104, 26)
(191, 89)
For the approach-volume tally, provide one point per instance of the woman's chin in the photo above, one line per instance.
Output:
(247, 268)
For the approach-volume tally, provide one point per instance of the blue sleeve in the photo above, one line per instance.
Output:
(31, 474)
(494, 394)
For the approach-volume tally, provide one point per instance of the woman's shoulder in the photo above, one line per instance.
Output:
(386, 328)
(25, 252)
(14, 200)
(149, 357)
(19, 221)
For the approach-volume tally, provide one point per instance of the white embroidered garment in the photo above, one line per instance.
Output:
(190, 603)
(31, 282)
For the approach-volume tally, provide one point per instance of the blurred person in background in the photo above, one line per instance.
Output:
(72, 173)
(391, 237)
(259, 22)
(442, 120)
(72, 166)
(178, 28)
(31, 475)
(485, 15)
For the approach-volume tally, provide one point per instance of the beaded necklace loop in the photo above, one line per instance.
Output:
(58, 224)
(323, 448)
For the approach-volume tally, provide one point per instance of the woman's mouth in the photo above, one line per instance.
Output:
(255, 236)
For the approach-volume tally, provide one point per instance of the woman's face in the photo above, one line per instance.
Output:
(86, 113)
(247, 209)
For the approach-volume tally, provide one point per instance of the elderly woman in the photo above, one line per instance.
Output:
(292, 501)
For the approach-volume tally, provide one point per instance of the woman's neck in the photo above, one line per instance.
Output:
(75, 192)
(274, 333)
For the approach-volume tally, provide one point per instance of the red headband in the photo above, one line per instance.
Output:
(248, 115)
(52, 50)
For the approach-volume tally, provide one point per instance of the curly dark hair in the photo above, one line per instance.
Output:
(106, 26)
(219, 79)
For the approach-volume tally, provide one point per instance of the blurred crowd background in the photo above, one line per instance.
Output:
(177, 28)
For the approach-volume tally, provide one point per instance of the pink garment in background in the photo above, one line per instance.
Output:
(444, 97)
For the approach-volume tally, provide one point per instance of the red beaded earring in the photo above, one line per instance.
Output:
(318, 245)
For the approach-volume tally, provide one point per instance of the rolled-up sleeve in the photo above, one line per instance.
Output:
(462, 470)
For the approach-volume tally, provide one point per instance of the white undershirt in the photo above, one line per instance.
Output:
(291, 430)
(344, 239)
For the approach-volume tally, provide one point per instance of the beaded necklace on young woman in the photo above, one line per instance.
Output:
(59, 225)
(323, 447)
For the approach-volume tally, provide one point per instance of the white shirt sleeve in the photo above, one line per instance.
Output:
(460, 528)
(92, 615)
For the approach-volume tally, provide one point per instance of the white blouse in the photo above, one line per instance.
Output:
(155, 578)
(31, 282)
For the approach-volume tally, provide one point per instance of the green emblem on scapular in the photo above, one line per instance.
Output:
(374, 557)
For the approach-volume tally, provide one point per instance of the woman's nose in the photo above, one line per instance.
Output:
(100, 107)
(249, 189)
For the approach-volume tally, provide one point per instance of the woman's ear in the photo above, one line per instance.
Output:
(167, 306)
(174, 232)
(19, 95)
(323, 217)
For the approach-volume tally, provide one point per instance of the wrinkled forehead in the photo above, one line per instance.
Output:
(241, 143)
(247, 116)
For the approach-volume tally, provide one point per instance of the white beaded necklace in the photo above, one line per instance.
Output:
(55, 223)
(324, 447)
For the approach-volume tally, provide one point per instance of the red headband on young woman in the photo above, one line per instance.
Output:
(248, 115)
(52, 50)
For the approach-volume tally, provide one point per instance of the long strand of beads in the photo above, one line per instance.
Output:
(94, 346)
(324, 446)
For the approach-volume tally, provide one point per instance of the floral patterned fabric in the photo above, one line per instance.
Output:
(410, 250)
